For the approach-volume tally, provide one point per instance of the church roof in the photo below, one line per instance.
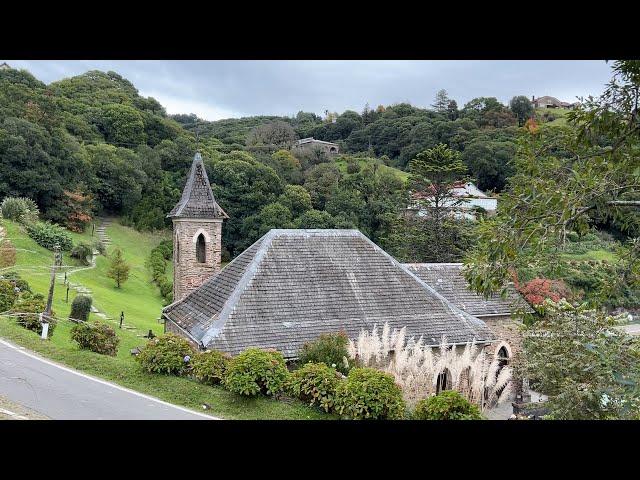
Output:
(293, 285)
(448, 280)
(197, 199)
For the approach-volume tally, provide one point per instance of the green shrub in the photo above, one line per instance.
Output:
(81, 307)
(47, 235)
(157, 263)
(448, 405)
(19, 209)
(14, 278)
(100, 247)
(315, 384)
(369, 393)
(8, 295)
(353, 166)
(165, 354)
(329, 348)
(256, 371)
(81, 251)
(35, 305)
(209, 367)
(96, 336)
(573, 236)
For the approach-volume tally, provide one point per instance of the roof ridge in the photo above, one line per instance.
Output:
(250, 270)
(465, 317)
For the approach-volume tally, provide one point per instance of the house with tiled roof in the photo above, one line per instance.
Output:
(550, 102)
(466, 200)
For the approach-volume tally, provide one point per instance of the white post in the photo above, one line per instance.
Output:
(45, 328)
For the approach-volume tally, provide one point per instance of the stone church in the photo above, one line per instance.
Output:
(292, 285)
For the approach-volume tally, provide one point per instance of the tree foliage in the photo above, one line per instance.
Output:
(588, 367)
(118, 268)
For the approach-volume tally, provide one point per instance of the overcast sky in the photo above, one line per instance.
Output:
(215, 89)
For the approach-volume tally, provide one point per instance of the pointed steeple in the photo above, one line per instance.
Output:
(197, 199)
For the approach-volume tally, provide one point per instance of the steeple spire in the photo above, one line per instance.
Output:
(197, 199)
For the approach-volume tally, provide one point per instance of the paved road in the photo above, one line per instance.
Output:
(62, 393)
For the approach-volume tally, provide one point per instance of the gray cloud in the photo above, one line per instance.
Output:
(221, 89)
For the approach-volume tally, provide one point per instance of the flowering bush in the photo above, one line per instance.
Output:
(256, 371)
(210, 367)
(97, 337)
(315, 384)
(448, 405)
(328, 348)
(165, 354)
(369, 393)
(536, 291)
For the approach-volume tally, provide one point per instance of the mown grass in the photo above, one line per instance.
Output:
(176, 390)
(341, 163)
(142, 303)
(559, 113)
(598, 255)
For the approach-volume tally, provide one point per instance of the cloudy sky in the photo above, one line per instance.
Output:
(215, 89)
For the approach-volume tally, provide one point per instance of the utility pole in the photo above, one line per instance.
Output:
(56, 261)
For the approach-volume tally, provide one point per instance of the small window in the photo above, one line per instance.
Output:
(444, 381)
(201, 249)
(503, 357)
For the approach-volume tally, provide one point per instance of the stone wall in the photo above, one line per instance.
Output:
(188, 273)
(171, 327)
(508, 331)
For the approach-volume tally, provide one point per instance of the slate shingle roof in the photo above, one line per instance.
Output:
(292, 285)
(448, 280)
(197, 199)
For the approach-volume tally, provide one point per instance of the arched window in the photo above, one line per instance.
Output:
(201, 249)
(503, 357)
(444, 381)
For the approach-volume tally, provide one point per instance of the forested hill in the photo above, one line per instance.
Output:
(484, 128)
(92, 144)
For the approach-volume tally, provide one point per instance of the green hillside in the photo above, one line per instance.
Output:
(141, 302)
(342, 162)
(552, 116)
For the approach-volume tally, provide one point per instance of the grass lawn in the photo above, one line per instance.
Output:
(141, 302)
(598, 255)
(341, 163)
(559, 113)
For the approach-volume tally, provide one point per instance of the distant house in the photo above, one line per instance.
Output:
(550, 102)
(310, 143)
(5, 66)
(470, 196)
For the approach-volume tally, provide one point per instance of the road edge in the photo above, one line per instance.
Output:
(35, 356)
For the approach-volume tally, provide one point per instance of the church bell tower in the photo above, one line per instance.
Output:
(197, 233)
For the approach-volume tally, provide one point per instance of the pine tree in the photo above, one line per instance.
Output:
(435, 172)
(441, 102)
(119, 269)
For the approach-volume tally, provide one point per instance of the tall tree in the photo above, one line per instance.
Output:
(564, 177)
(452, 110)
(589, 368)
(521, 108)
(434, 173)
(441, 102)
(119, 268)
